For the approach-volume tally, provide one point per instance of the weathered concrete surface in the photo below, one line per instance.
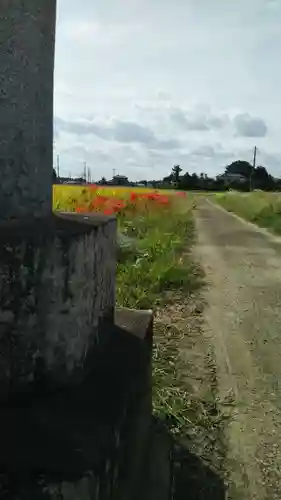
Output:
(27, 37)
(57, 281)
(87, 442)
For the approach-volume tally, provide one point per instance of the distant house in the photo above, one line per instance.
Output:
(68, 180)
(119, 180)
(232, 178)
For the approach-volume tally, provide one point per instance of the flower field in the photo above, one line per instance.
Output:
(114, 200)
(153, 227)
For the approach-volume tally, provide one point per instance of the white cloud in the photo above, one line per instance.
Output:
(141, 85)
(248, 126)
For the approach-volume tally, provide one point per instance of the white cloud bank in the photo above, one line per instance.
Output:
(141, 85)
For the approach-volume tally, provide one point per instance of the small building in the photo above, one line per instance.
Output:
(120, 180)
(234, 178)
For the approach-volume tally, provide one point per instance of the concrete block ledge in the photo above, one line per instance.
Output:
(87, 441)
(57, 282)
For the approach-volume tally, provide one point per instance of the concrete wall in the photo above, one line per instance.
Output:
(89, 442)
(57, 281)
(27, 37)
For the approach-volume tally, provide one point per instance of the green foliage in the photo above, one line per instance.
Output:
(263, 209)
(153, 262)
(240, 167)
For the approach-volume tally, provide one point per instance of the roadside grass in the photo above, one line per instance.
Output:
(158, 271)
(150, 260)
(263, 209)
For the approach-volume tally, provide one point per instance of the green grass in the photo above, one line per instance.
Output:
(150, 259)
(154, 262)
(263, 209)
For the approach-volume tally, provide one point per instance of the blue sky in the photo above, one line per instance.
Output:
(141, 85)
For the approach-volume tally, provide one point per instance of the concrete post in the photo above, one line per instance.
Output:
(27, 36)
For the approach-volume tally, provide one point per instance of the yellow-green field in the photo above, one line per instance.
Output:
(108, 199)
(153, 227)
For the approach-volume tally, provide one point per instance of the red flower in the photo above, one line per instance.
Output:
(133, 196)
(108, 211)
(81, 210)
(101, 199)
(163, 200)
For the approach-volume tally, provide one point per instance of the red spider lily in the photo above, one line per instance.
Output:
(82, 210)
(108, 211)
(116, 205)
(119, 203)
(101, 199)
(93, 187)
(133, 196)
(181, 194)
(152, 196)
(98, 202)
(164, 200)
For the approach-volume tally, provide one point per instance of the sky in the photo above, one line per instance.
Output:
(141, 85)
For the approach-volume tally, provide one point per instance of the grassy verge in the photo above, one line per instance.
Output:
(156, 270)
(263, 209)
(150, 260)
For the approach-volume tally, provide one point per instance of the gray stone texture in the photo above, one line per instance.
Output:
(27, 36)
(87, 442)
(57, 282)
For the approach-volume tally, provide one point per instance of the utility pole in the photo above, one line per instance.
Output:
(253, 169)
(58, 166)
(255, 156)
(89, 174)
(85, 172)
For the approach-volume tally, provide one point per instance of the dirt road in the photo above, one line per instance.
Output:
(243, 321)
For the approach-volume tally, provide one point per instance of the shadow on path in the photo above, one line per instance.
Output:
(172, 472)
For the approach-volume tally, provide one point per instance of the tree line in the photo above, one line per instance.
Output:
(239, 175)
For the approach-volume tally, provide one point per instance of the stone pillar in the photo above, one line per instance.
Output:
(27, 39)
(57, 282)
(57, 272)
(75, 390)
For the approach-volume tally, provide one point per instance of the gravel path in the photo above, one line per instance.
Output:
(243, 320)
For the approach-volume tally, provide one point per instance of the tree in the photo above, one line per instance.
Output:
(262, 179)
(176, 170)
(55, 177)
(168, 179)
(261, 173)
(240, 167)
(185, 181)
